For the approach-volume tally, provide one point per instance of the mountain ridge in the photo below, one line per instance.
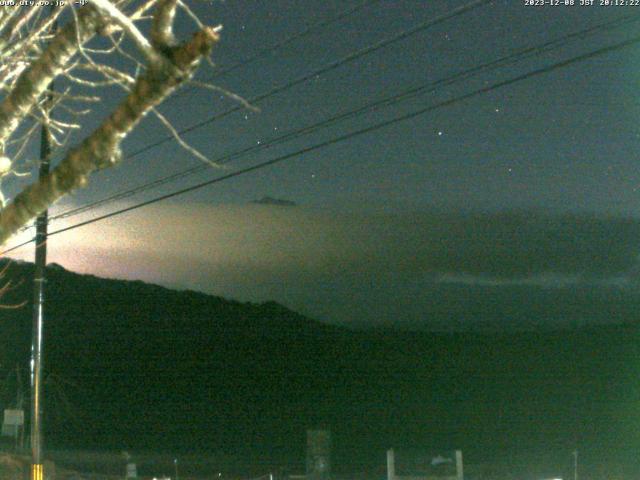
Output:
(145, 367)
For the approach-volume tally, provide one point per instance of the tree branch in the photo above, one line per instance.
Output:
(102, 148)
(162, 27)
(127, 25)
(35, 79)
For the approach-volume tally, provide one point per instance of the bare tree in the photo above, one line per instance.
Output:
(32, 55)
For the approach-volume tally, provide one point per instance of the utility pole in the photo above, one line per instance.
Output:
(575, 465)
(38, 310)
(38, 303)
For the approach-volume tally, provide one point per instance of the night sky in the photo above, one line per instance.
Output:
(533, 186)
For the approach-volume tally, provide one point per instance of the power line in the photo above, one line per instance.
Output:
(331, 66)
(296, 36)
(283, 43)
(384, 102)
(18, 246)
(402, 35)
(353, 134)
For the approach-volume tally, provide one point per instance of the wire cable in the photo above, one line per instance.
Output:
(277, 46)
(384, 102)
(331, 66)
(296, 36)
(383, 43)
(353, 134)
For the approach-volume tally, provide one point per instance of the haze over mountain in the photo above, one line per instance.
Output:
(147, 368)
(414, 269)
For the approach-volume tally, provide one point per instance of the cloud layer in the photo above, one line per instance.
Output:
(359, 268)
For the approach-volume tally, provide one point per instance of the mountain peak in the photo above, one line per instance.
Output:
(279, 202)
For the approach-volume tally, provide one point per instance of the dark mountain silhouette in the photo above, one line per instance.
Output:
(147, 368)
